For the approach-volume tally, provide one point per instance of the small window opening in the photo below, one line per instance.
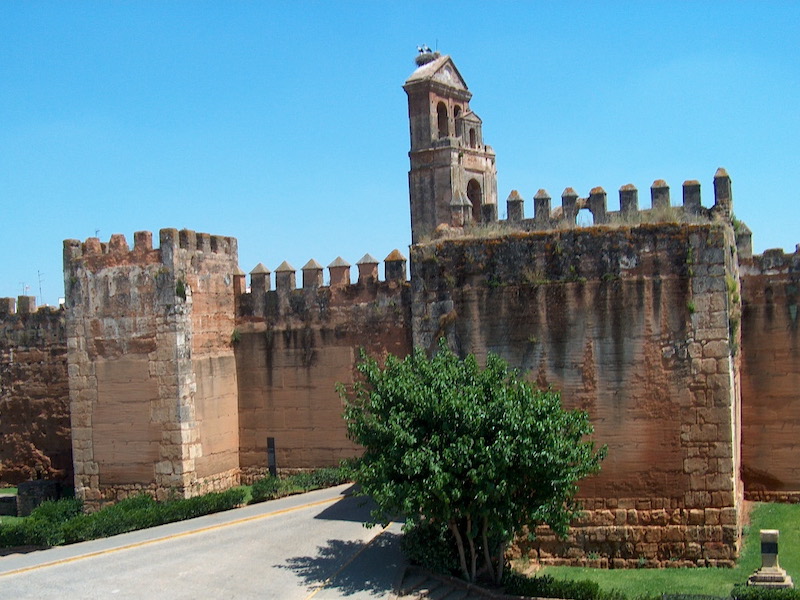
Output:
(456, 115)
(472, 141)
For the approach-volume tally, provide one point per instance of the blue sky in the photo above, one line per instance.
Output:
(285, 124)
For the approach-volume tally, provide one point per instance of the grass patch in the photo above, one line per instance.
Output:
(710, 581)
(9, 491)
(9, 520)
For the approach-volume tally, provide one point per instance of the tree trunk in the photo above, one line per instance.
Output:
(473, 556)
(460, 544)
(486, 554)
(501, 561)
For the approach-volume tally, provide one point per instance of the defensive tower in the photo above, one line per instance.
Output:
(453, 174)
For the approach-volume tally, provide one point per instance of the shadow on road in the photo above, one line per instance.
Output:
(349, 508)
(373, 571)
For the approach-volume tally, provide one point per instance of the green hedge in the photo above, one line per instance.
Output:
(548, 587)
(744, 592)
(62, 522)
(269, 488)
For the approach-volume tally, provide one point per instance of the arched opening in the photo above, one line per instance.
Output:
(472, 140)
(585, 218)
(441, 111)
(475, 196)
(456, 114)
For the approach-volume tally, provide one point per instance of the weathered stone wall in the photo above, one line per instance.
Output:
(771, 376)
(295, 345)
(632, 325)
(147, 331)
(34, 395)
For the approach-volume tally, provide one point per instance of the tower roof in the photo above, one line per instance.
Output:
(442, 70)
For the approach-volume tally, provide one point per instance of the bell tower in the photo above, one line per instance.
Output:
(452, 170)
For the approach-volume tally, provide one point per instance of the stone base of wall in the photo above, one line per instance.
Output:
(94, 499)
(792, 497)
(215, 483)
(249, 475)
(630, 538)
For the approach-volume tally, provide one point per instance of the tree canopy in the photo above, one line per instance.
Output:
(475, 451)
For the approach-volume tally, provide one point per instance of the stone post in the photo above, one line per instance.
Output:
(26, 304)
(395, 265)
(8, 306)
(285, 277)
(515, 207)
(723, 198)
(659, 194)
(339, 271)
(312, 275)
(770, 574)
(691, 196)
(259, 280)
(628, 200)
(597, 205)
(143, 241)
(569, 205)
(367, 268)
(541, 206)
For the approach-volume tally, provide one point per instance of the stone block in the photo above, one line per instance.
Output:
(728, 516)
(716, 349)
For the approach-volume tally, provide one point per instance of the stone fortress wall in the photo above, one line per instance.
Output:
(681, 345)
(34, 393)
(632, 323)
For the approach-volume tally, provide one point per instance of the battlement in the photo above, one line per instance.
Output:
(94, 254)
(21, 305)
(565, 216)
(314, 299)
(773, 262)
(338, 273)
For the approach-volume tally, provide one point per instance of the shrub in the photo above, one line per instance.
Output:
(57, 511)
(265, 489)
(548, 587)
(745, 592)
(59, 522)
(269, 488)
(140, 512)
(43, 527)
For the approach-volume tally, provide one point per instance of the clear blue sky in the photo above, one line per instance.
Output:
(285, 124)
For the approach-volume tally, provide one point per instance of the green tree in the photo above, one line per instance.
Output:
(477, 452)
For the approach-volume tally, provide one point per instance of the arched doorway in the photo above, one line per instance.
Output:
(475, 195)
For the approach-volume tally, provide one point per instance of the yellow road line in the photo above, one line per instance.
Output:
(325, 583)
(173, 536)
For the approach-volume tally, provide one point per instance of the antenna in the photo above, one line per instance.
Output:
(41, 297)
(96, 233)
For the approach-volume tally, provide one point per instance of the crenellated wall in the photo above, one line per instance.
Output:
(293, 346)
(770, 376)
(152, 372)
(632, 324)
(565, 216)
(34, 393)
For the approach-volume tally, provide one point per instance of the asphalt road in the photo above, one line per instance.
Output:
(297, 548)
